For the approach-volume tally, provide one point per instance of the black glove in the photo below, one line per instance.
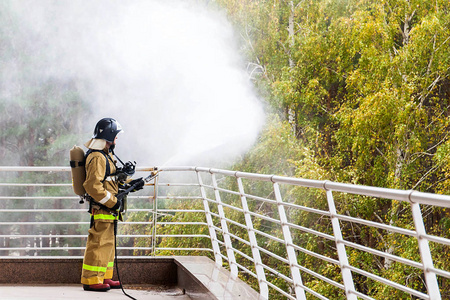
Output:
(120, 196)
(139, 184)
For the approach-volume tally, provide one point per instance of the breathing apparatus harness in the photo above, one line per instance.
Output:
(78, 164)
(122, 173)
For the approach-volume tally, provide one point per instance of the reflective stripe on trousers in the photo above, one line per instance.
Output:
(98, 259)
(105, 217)
(98, 269)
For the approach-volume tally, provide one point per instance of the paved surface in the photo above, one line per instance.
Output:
(76, 292)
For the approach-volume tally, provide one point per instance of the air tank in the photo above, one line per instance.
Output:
(78, 170)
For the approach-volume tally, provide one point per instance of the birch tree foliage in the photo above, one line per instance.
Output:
(362, 83)
(363, 86)
(395, 118)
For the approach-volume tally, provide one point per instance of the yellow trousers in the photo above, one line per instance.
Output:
(98, 262)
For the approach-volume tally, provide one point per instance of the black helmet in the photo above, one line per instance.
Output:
(107, 129)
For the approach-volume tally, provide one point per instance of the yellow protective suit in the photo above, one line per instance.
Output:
(98, 260)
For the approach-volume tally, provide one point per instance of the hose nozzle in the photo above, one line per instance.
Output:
(153, 174)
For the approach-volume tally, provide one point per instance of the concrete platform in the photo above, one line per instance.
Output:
(76, 292)
(180, 277)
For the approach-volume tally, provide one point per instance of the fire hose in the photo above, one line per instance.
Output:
(147, 179)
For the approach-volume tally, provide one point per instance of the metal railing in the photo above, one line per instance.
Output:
(289, 237)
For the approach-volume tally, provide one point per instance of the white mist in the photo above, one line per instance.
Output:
(168, 71)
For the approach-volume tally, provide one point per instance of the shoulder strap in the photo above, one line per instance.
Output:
(108, 168)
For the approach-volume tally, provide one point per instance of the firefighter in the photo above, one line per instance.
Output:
(102, 186)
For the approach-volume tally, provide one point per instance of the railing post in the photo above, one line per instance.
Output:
(292, 257)
(212, 232)
(342, 253)
(154, 215)
(263, 287)
(425, 253)
(223, 222)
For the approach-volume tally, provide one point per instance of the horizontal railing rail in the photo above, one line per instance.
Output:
(254, 224)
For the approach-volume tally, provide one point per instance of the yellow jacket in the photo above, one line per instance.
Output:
(103, 191)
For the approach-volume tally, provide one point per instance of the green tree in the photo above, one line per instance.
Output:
(364, 86)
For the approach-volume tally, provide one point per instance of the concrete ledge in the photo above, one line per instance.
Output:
(200, 271)
(68, 271)
(199, 277)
